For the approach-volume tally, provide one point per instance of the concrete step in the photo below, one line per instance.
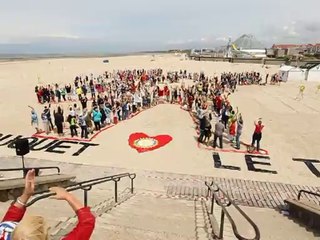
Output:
(276, 226)
(152, 214)
(129, 233)
(203, 224)
(305, 211)
(216, 222)
(64, 226)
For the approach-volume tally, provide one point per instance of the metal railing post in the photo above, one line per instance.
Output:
(221, 224)
(85, 198)
(212, 203)
(116, 191)
(131, 178)
(116, 180)
(224, 212)
(85, 195)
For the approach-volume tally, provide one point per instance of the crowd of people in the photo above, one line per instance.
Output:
(211, 100)
(95, 102)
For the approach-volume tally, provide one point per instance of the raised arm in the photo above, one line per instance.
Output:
(16, 211)
(86, 220)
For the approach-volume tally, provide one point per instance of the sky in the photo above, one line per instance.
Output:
(71, 26)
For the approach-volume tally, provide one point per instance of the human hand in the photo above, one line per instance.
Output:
(29, 183)
(61, 193)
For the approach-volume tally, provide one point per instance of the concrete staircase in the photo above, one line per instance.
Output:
(65, 225)
(215, 220)
(146, 215)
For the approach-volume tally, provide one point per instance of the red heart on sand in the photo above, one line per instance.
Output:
(144, 143)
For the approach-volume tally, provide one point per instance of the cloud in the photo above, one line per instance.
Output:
(313, 27)
(222, 39)
(176, 42)
(290, 30)
(297, 31)
(65, 36)
(177, 23)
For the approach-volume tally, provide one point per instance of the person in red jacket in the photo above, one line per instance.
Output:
(15, 226)
(219, 102)
(257, 135)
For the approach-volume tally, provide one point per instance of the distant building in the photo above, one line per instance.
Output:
(282, 50)
(247, 46)
(315, 49)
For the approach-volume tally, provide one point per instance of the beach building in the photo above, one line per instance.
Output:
(289, 73)
(312, 71)
(282, 50)
(313, 75)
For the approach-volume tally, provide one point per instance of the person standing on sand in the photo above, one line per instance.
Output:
(232, 130)
(73, 126)
(58, 121)
(202, 127)
(63, 93)
(218, 104)
(92, 89)
(257, 135)
(48, 113)
(68, 91)
(300, 95)
(96, 115)
(225, 115)
(45, 122)
(239, 131)
(218, 133)
(34, 119)
(87, 118)
(83, 125)
(84, 101)
(79, 93)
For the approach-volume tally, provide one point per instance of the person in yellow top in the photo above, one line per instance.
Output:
(79, 92)
(318, 89)
(199, 87)
(300, 95)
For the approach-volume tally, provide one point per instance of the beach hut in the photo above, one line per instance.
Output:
(313, 74)
(289, 73)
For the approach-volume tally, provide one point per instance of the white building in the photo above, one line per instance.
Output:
(289, 73)
(313, 73)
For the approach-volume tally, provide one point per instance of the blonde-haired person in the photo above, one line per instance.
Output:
(15, 226)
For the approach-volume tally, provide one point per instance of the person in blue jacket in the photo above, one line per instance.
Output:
(96, 115)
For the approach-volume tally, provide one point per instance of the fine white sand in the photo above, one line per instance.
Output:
(292, 127)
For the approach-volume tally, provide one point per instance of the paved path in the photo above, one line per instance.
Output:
(244, 192)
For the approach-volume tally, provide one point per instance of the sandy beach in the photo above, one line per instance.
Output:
(291, 127)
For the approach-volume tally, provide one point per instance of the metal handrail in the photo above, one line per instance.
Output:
(307, 192)
(86, 186)
(224, 211)
(24, 170)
